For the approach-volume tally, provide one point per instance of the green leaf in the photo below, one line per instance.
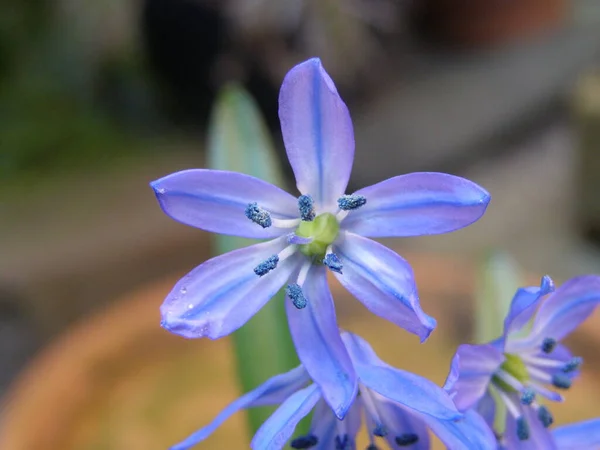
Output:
(238, 141)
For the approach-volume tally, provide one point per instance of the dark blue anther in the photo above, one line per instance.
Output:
(561, 381)
(266, 266)
(350, 202)
(545, 416)
(527, 397)
(333, 263)
(406, 439)
(522, 429)
(306, 205)
(343, 442)
(548, 345)
(380, 430)
(372, 447)
(573, 365)
(294, 292)
(258, 215)
(303, 442)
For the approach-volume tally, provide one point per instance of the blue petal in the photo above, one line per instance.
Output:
(567, 308)
(216, 200)
(317, 132)
(475, 365)
(277, 429)
(486, 408)
(416, 204)
(383, 281)
(320, 348)
(221, 295)
(578, 436)
(539, 437)
(524, 305)
(469, 433)
(408, 389)
(324, 426)
(273, 391)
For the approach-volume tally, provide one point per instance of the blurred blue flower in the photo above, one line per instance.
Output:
(398, 406)
(526, 362)
(321, 228)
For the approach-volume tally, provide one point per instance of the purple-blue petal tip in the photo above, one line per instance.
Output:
(546, 285)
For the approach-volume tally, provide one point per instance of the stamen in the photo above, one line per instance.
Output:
(343, 442)
(306, 205)
(527, 396)
(351, 202)
(541, 361)
(285, 223)
(545, 416)
(266, 266)
(380, 430)
(258, 215)
(573, 365)
(510, 405)
(293, 238)
(333, 263)
(294, 292)
(544, 392)
(304, 442)
(561, 381)
(372, 447)
(407, 439)
(548, 345)
(522, 429)
(509, 380)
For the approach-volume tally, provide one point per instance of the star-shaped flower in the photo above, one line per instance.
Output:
(322, 228)
(399, 407)
(524, 364)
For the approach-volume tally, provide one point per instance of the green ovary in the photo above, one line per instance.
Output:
(515, 367)
(324, 230)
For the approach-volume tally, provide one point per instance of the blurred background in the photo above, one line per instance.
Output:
(98, 98)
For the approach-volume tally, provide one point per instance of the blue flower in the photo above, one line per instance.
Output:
(399, 408)
(578, 436)
(526, 363)
(323, 228)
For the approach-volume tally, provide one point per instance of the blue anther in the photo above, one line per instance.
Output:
(522, 429)
(306, 205)
(561, 381)
(333, 263)
(548, 345)
(380, 430)
(304, 442)
(350, 202)
(407, 439)
(294, 292)
(258, 215)
(372, 447)
(527, 396)
(545, 416)
(266, 266)
(343, 442)
(573, 365)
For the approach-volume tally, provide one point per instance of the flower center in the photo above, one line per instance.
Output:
(514, 366)
(323, 230)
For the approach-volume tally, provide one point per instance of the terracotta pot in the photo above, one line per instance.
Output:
(117, 381)
(477, 23)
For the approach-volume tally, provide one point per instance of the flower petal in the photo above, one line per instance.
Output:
(317, 132)
(324, 426)
(277, 429)
(273, 391)
(539, 437)
(216, 200)
(486, 408)
(383, 281)
(316, 335)
(469, 433)
(416, 204)
(222, 294)
(475, 365)
(524, 304)
(567, 307)
(398, 421)
(578, 436)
